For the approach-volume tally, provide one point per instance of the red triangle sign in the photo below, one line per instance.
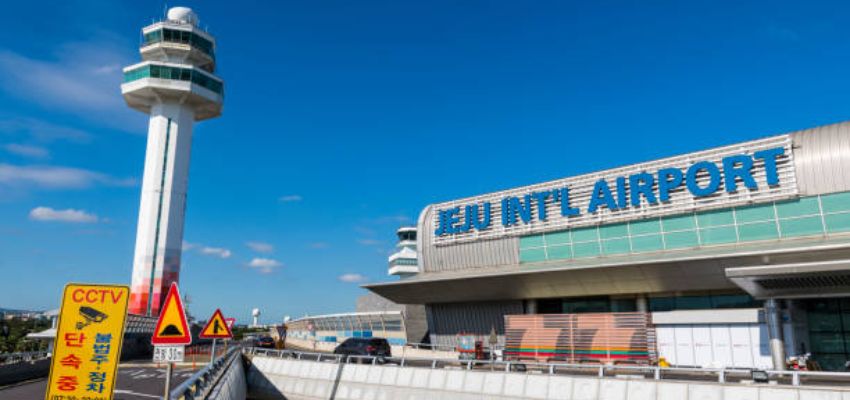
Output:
(171, 327)
(216, 328)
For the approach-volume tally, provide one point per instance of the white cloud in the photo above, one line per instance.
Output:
(41, 131)
(53, 177)
(352, 278)
(264, 265)
(67, 215)
(369, 242)
(290, 198)
(81, 77)
(215, 251)
(188, 246)
(260, 247)
(27, 150)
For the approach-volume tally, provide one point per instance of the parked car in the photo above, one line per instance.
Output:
(265, 342)
(375, 347)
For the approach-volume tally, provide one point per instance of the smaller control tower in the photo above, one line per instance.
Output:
(175, 85)
(404, 262)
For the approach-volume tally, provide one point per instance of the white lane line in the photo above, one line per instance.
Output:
(132, 393)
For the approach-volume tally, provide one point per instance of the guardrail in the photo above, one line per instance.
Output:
(14, 358)
(198, 386)
(720, 375)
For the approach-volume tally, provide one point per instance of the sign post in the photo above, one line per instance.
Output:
(88, 342)
(171, 334)
(216, 328)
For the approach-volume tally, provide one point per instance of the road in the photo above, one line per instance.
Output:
(135, 382)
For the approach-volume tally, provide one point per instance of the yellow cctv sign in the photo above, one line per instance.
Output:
(88, 342)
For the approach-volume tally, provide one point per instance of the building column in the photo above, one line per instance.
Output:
(773, 318)
(531, 306)
(641, 303)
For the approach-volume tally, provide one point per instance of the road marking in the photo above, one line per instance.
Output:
(132, 393)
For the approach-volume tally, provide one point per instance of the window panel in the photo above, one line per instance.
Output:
(562, 252)
(801, 226)
(762, 212)
(759, 231)
(662, 303)
(835, 202)
(678, 223)
(645, 226)
(532, 255)
(558, 238)
(678, 240)
(693, 303)
(647, 243)
(613, 231)
(837, 222)
(798, 208)
(715, 218)
(584, 234)
(615, 246)
(526, 242)
(719, 235)
(588, 249)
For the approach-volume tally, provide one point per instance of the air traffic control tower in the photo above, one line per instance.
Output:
(174, 84)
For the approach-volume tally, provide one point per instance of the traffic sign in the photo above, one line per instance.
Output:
(230, 322)
(88, 341)
(216, 328)
(168, 354)
(171, 327)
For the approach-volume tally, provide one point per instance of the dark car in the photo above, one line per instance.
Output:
(265, 342)
(375, 347)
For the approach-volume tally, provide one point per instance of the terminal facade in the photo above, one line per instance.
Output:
(741, 254)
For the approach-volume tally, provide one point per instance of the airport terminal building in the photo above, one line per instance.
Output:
(737, 253)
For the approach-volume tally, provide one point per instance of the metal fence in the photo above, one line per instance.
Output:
(720, 375)
(199, 385)
(14, 358)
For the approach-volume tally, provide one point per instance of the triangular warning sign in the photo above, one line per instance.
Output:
(216, 328)
(171, 327)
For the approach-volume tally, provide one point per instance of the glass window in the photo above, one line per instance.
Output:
(693, 302)
(586, 305)
(762, 212)
(837, 222)
(678, 240)
(623, 305)
(759, 231)
(835, 202)
(801, 226)
(587, 249)
(715, 218)
(678, 223)
(723, 234)
(613, 231)
(557, 238)
(615, 246)
(560, 252)
(645, 226)
(532, 255)
(662, 303)
(647, 243)
(584, 234)
(526, 242)
(798, 208)
(734, 301)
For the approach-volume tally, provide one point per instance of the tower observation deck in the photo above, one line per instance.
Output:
(175, 84)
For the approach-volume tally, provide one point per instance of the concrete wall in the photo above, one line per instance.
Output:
(233, 385)
(275, 378)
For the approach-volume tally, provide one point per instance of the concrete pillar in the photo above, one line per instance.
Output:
(773, 318)
(531, 306)
(641, 303)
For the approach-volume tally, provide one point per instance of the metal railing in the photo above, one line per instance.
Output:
(14, 358)
(199, 385)
(720, 375)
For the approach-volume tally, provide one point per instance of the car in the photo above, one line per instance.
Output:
(375, 347)
(265, 342)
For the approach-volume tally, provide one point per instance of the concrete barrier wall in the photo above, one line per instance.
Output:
(233, 385)
(275, 378)
(397, 351)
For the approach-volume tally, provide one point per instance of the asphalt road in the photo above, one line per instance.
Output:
(134, 383)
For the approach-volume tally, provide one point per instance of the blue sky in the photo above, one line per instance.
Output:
(342, 120)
